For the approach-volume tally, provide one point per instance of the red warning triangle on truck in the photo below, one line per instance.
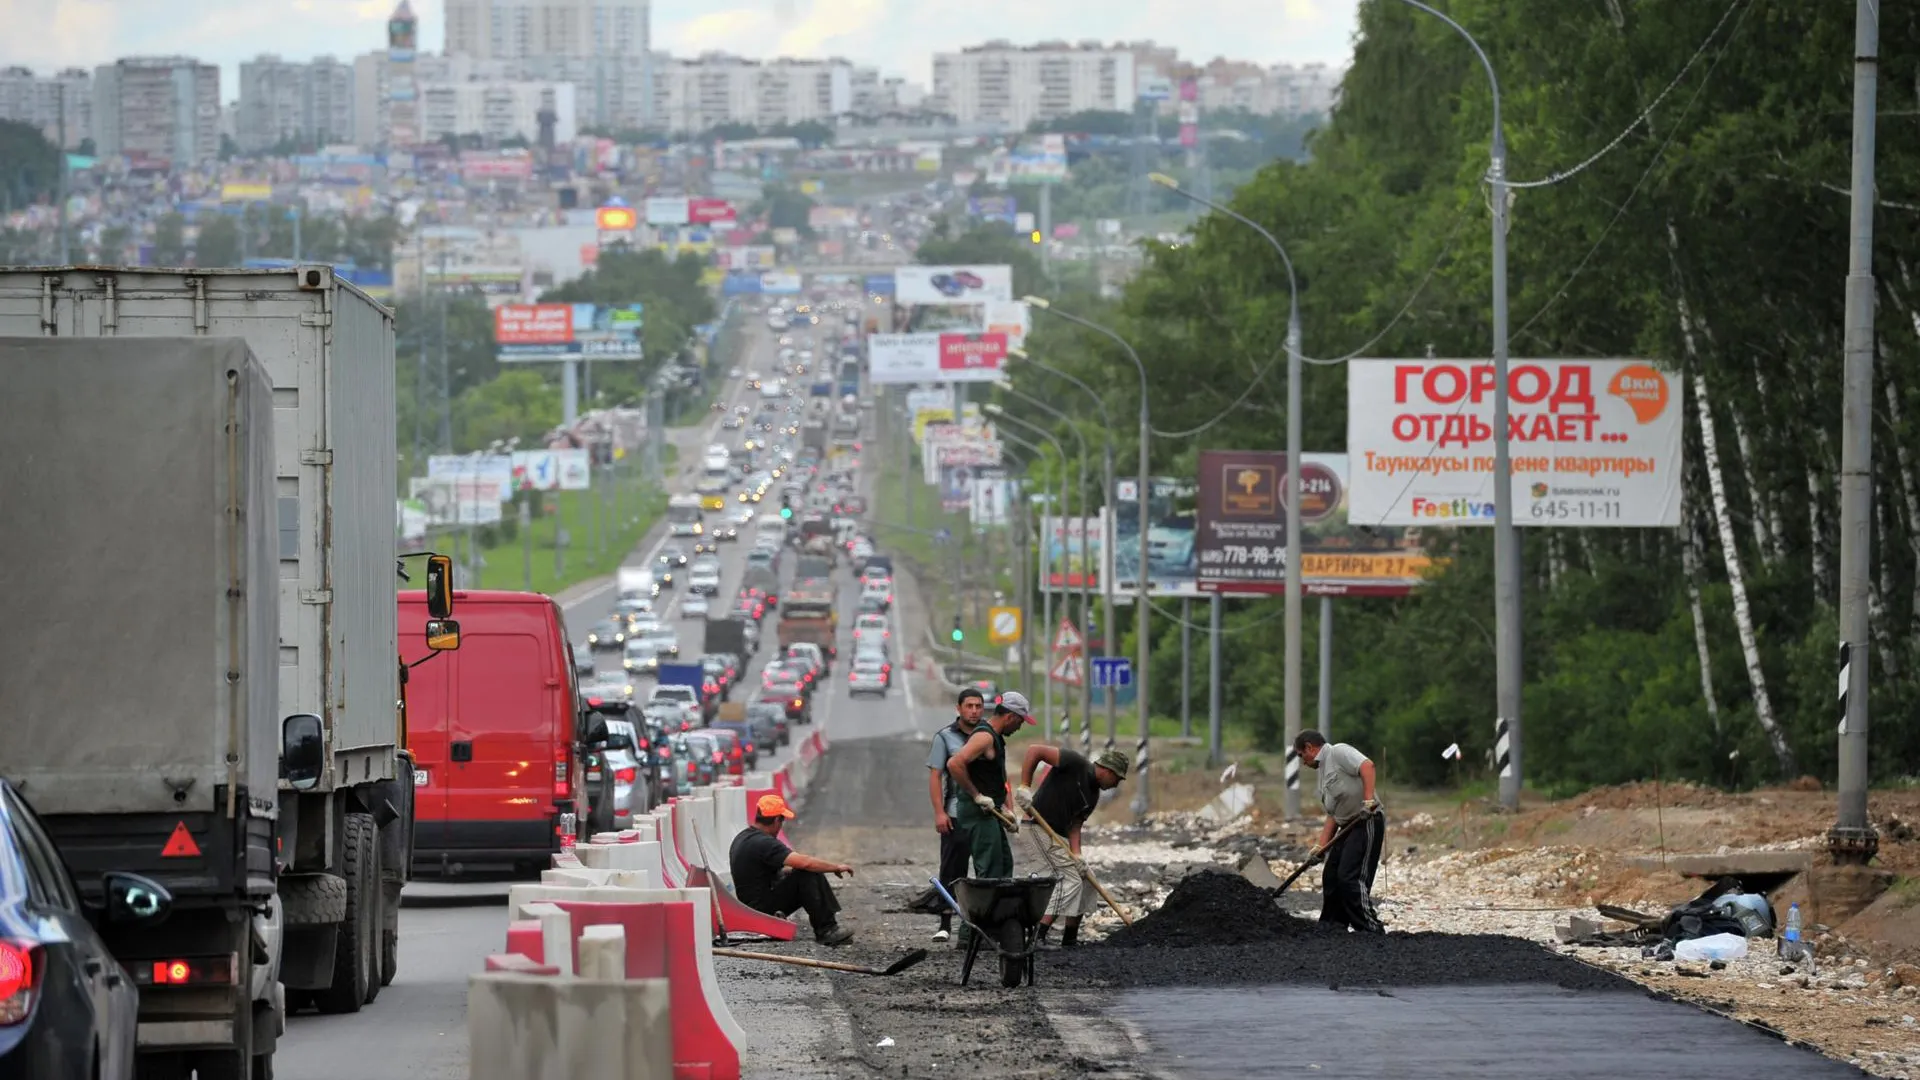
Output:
(180, 845)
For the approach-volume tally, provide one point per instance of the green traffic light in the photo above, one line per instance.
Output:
(959, 635)
(786, 512)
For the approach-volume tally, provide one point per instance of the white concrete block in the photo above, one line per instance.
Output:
(529, 1027)
(603, 952)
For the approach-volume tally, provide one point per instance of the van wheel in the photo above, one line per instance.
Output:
(353, 958)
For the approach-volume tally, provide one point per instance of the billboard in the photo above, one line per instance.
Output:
(552, 470)
(534, 332)
(1241, 535)
(823, 218)
(740, 284)
(993, 207)
(943, 357)
(745, 258)
(992, 498)
(952, 284)
(708, 211)
(1170, 556)
(464, 489)
(665, 210)
(781, 283)
(1061, 567)
(1012, 318)
(1593, 443)
(879, 284)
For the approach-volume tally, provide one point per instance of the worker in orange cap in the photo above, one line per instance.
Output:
(769, 876)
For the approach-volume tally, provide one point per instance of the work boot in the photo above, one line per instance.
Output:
(942, 934)
(1044, 939)
(833, 935)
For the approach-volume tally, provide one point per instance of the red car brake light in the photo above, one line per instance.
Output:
(625, 776)
(19, 980)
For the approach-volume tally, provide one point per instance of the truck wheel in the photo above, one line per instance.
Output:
(354, 958)
(377, 976)
(389, 955)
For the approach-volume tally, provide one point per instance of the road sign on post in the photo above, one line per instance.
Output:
(1067, 669)
(1113, 671)
(1003, 625)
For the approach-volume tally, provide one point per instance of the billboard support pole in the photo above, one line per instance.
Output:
(569, 392)
(1048, 523)
(1326, 665)
(1293, 598)
(526, 545)
(1186, 667)
(1214, 675)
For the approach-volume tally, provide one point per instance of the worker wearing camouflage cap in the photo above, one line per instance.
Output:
(1067, 796)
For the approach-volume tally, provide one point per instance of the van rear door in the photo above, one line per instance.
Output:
(509, 737)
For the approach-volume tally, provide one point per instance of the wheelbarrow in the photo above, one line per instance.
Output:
(1004, 913)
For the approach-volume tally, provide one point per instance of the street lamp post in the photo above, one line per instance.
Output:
(1506, 540)
(1046, 689)
(1106, 499)
(1143, 617)
(1086, 592)
(1294, 581)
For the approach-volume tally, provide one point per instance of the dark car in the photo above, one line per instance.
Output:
(607, 634)
(67, 1007)
(583, 661)
(671, 556)
(736, 746)
(770, 724)
(704, 757)
(798, 709)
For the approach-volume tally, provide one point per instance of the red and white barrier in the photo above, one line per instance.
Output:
(526, 1021)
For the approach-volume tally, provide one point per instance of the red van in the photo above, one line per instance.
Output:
(493, 727)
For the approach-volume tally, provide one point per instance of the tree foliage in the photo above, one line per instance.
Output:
(29, 165)
(1712, 239)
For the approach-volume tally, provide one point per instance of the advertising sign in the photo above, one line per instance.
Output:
(741, 285)
(1044, 162)
(947, 446)
(952, 284)
(879, 284)
(1061, 567)
(1241, 535)
(470, 487)
(1593, 442)
(666, 210)
(1012, 318)
(1170, 556)
(993, 496)
(822, 218)
(946, 357)
(782, 283)
(993, 207)
(707, 211)
(534, 332)
(745, 258)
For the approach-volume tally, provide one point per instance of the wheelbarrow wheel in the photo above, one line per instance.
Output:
(1013, 949)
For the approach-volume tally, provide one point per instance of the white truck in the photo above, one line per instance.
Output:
(344, 842)
(685, 516)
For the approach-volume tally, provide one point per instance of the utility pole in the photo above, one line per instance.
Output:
(446, 378)
(1186, 667)
(1853, 838)
(1326, 665)
(65, 242)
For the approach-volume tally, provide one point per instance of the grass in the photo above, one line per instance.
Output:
(624, 513)
(906, 530)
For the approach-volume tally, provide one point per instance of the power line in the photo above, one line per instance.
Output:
(1568, 174)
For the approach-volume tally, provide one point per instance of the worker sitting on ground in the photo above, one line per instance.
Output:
(1068, 795)
(1354, 817)
(979, 770)
(769, 876)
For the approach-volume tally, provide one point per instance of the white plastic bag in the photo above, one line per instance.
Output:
(1713, 947)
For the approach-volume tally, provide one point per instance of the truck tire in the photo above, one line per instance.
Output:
(389, 955)
(377, 922)
(354, 956)
(312, 899)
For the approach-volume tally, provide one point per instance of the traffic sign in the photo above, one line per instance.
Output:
(1066, 638)
(1112, 671)
(1003, 625)
(1067, 670)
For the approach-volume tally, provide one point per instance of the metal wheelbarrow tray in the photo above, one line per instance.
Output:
(1005, 913)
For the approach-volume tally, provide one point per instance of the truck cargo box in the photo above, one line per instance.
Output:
(138, 558)
(328, 350)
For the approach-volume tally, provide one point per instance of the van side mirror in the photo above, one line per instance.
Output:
(302, 751)
(131, 898)
(440, 586)
(443, 635)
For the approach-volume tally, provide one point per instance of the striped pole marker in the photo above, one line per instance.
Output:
(1293, 770)
(1086, 735)
(1846, 673)
(1502, 757)
(1140, 761)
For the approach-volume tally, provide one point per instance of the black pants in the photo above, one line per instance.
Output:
(797, 889)
(1347, 883)
(954, 854)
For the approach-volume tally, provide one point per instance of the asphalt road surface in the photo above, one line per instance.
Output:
(417, 1028)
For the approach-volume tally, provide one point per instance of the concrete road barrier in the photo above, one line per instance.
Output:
(522, 1025)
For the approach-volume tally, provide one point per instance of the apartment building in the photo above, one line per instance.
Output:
(1014, 85)
(718, 88)
(312, 102)
(50, 103)
(496, 110)
(526, 29)
(160, 108)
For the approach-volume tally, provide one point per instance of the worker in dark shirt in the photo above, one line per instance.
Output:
(769, 876)
(1068, 795)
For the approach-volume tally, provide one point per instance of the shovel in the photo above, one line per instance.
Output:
(1313, 858)
(896, 968)
(1077, 861)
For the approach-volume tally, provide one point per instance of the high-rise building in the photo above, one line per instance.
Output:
(304, 102)
(603, 47)
(718, 88)
(159, 108)
(51, 103)
(496, 110)
(1001, 83)
(399, 91)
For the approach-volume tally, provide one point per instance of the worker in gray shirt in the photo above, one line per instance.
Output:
(946, 799)
(1355, 831)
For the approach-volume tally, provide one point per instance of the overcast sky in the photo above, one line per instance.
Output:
(898, 36)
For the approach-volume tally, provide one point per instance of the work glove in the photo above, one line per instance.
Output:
(1371, 806)
(985, 803)
(1023, 797)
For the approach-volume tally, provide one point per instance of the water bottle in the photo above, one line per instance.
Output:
(1791, 948)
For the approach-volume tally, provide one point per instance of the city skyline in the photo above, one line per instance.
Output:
(876, 33)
